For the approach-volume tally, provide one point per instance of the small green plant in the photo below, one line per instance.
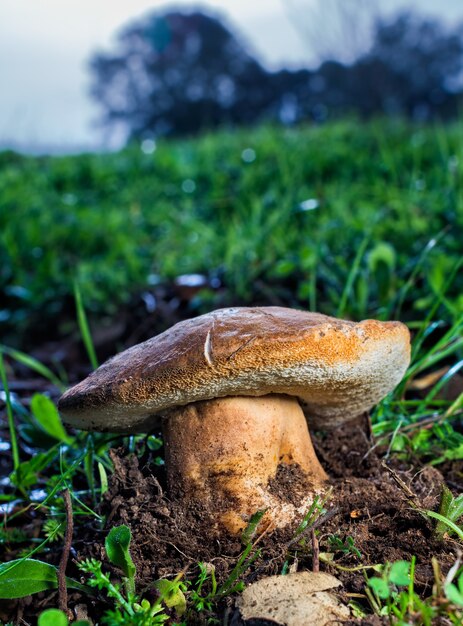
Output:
(127, 609)
(199, 601)
(204, 593)
(393, 575)
(231, 585)
(53, 529)
(392, 594)
(346, 545)
(451, 509)
(316, 511)
(117, 544)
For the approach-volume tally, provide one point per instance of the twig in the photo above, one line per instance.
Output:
(409, 495)
(62, 589)
(315, 552)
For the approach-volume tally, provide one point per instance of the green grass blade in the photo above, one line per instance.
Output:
(439, 385)
(9, 412)
(455, 406)
(84, 327)
(456, 529)
(352, 276)
(421, 335)
(447, 345)
(32, 364)
(416, 270)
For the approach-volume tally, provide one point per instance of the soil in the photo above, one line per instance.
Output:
(374, 500)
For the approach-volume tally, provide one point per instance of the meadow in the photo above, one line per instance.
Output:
(350, 218)
(353, 219)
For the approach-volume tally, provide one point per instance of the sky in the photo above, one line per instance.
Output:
(45, 46)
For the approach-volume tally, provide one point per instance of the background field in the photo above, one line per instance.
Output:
(350, 218)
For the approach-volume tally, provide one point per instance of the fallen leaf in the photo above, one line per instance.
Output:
(294, 600)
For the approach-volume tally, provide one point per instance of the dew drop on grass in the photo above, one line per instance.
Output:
(188, 185)
(309, 205)
(148, 146)
(248, 155)
(191, 280)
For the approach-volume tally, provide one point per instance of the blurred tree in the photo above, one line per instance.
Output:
(414, 68)
(177, 73)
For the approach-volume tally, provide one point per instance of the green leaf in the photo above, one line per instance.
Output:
(445, 507)
(380, 587)
(453, 594)
(117, 547)
(26, 474)
(24, 577)
(154, 443)
(251, 528)
(52, 617)
(46, 413)
(171, 594)
(456, 529)
(103, 478)
(400, 573)
(382, 253)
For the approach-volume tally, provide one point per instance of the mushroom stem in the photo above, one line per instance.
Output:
(224, 452)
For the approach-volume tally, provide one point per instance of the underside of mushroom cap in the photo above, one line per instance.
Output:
(337, 369)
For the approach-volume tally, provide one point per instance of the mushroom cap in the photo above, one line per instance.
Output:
(338, 369)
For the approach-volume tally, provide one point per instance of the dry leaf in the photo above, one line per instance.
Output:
(294, 600)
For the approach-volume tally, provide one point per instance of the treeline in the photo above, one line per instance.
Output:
(179, 73)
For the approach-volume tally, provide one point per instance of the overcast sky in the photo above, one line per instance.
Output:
(45, 46)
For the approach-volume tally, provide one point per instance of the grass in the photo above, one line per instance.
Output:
(382, 238)
(370, 211)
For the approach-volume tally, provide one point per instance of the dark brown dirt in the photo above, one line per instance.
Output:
(374, 501)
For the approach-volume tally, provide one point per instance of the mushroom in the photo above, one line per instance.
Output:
(234, 391)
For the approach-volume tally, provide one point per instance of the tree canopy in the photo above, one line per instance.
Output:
(178, 73)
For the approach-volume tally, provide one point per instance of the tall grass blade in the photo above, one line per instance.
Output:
(423, 332)
(438, 386)
(352, 276)
(447, 345)
(9, 413)
(32, 364)
(455, 406)
(456, 529)
(84, 327)
(416, 269)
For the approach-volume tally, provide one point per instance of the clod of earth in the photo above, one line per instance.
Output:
(234, 390)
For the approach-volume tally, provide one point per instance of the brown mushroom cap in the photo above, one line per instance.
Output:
(337, 369)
